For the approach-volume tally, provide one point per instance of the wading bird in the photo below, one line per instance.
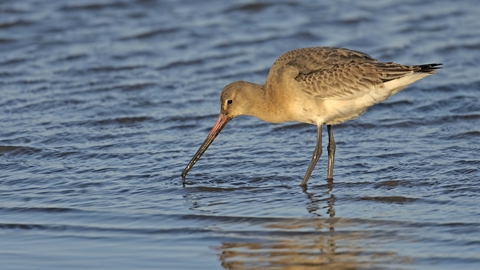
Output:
(319, 86)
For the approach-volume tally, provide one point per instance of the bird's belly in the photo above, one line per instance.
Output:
(331, 111)
(339, 111)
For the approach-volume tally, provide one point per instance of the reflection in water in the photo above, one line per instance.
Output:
(313, 207)
(326, 242)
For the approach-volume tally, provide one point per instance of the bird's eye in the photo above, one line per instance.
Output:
(229, 101)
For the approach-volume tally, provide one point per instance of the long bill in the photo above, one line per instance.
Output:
(221, 122)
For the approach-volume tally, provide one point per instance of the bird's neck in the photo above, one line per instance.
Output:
(255, 95)
(263, 105)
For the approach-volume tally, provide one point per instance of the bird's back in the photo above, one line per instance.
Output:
(326, 72)
(319, 58)
(352, 79)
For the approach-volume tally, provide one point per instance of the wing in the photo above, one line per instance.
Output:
(324, 72)
(355, 79)
(341, 81)
(308, 60)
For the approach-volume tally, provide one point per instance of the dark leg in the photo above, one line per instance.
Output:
(331, 151)
(316, 155)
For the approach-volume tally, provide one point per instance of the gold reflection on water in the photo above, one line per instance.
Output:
(311, 243)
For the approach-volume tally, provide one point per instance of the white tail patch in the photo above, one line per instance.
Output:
(392, 87)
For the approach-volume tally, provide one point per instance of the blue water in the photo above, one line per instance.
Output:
(103, 103)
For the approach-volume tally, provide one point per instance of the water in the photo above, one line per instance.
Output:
(103, 103)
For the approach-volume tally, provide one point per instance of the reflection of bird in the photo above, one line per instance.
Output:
(308, 243)
(316, 86)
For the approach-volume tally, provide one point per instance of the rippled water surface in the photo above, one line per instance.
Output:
(103, 103)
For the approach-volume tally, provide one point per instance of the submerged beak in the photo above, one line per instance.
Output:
(221, 122)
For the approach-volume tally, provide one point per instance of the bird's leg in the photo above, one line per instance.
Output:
(316, 155)
(331, 151)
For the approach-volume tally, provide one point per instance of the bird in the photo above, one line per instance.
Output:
(318, 86)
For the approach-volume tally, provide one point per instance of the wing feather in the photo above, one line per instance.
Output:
(326, 72)
(316, 58)
(341, 81)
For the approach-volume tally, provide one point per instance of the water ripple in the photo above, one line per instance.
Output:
(103, 103)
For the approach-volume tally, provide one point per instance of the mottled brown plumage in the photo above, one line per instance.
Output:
(319, 85)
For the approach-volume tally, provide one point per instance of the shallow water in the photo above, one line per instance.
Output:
(103, 103)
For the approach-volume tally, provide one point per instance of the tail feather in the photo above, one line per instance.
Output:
(428, 68)
(391, 71)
